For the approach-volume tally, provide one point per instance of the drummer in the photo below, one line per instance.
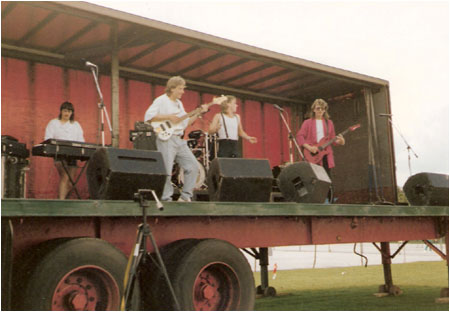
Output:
(227, 124)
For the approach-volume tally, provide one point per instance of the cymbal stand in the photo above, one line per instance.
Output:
(408, 147)
(101, 105)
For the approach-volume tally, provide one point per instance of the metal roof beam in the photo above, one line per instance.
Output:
(266, 78)
(76, 36)
(229, 46)
(282, 83)
(246, 73)
(38, 27)
(209, 86)
(9, 7)
(11, 49)
(95, 51)
(63, 8)
(173, 58)
(223, 68)
(201, 63)
(312, 83)
(145, 52)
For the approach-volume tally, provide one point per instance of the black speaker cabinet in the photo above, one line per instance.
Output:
(115, 173)
(427, 189)
(304, 182)
(14, 167)
(240, 180)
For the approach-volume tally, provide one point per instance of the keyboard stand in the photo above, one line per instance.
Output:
(74, 183)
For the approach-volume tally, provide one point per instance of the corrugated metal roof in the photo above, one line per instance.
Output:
(68, 33)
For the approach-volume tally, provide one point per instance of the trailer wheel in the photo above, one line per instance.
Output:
(156, 292)
(76, 274)
(214, 275)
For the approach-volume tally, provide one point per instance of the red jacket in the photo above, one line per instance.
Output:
(308, 134)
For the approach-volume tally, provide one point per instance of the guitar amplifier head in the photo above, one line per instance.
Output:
(142, 126)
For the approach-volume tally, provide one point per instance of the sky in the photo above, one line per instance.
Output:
(403, 42)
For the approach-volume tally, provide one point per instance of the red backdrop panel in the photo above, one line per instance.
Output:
(32, 94)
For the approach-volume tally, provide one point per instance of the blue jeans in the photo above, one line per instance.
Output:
(176, 150)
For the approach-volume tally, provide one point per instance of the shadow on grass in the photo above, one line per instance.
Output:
(414, 298)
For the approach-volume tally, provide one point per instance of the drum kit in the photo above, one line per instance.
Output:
(204, 147)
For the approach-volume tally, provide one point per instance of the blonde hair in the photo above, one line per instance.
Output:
(319, 103)
(174, 82)
(225, 104)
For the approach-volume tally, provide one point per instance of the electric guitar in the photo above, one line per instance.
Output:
(165, 128)
(315, 158)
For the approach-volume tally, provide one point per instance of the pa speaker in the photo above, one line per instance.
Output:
(114, 173)
(304, 182)
(427, 189)
(239, 180)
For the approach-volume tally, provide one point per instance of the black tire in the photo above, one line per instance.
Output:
(214, 275)
(81, 273)
(154, 285)
(23, 267)
(270, 292)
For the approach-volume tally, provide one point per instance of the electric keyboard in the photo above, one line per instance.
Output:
(63, 149)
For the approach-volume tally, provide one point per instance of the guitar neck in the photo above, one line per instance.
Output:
(194, 112)
(334, 139)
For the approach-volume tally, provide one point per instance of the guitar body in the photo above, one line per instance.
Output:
(316, 158)
(165, 129)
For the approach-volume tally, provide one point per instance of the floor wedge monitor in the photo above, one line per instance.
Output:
(115, 173)
(303, 182)
(240, 180)
(427, 189)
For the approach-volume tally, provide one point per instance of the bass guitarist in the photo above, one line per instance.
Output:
(168, 107)
(315, 129)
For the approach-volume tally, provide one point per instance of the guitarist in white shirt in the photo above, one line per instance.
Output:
(169, 109)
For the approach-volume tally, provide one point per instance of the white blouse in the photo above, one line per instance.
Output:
(70, 131)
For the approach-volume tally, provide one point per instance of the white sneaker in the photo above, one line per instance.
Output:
(181, 199)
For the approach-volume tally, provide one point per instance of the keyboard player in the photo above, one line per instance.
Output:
(65, 127)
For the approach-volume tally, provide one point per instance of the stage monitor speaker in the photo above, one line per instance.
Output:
(239, 180)
(115, 173)
(427, 189)
(304, 182)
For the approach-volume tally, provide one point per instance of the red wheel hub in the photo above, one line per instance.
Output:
(216, 288)
(86, 288)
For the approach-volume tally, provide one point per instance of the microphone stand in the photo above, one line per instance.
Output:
(101, 106)
(290, 137)
(408, 147)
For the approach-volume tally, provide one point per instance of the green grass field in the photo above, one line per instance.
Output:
(353, 288)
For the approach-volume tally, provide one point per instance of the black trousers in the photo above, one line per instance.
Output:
(328, 170)
(229, 148)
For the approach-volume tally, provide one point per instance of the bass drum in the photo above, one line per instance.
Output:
(199, 184)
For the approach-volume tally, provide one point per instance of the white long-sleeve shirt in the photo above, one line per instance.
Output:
(70, 131)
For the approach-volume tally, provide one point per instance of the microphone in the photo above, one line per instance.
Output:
(278, 107)
(385, 115)
(89, 64)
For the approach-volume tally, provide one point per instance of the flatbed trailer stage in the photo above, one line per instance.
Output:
(28, 223)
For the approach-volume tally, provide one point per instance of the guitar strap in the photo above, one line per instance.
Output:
(326, 127)
(224, 125)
